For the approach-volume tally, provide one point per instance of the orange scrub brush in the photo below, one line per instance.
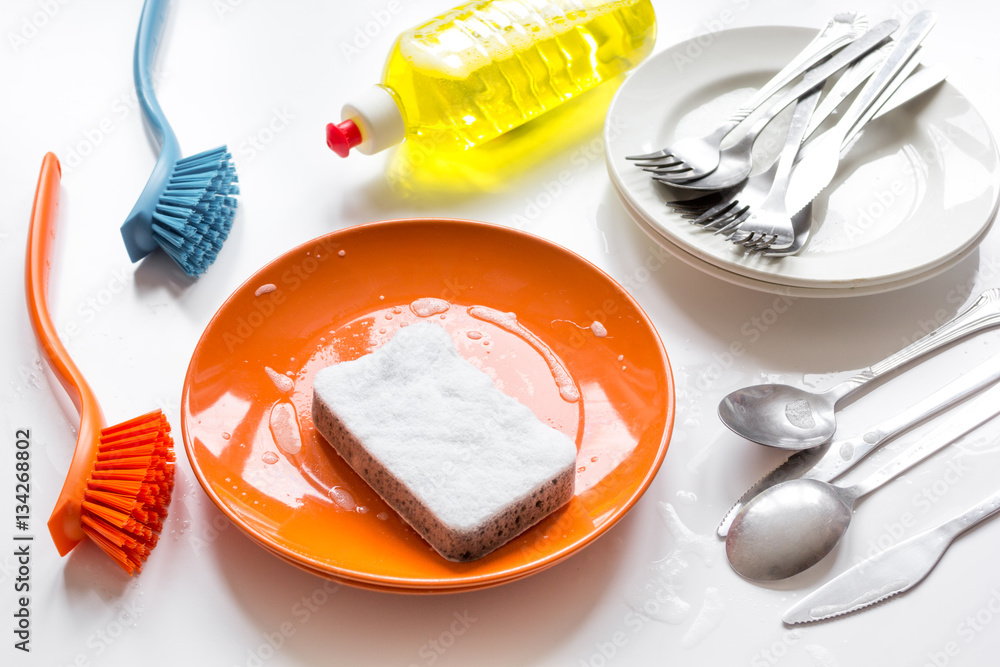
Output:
(121, 477)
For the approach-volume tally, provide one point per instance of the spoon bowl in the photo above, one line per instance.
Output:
(779, 415)
(791, 526)
(787, 529)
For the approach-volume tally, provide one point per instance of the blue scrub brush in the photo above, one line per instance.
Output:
(188, 204)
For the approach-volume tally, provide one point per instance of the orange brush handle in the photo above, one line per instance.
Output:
(65, 524)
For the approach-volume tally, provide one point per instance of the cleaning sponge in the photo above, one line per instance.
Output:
(467, 466)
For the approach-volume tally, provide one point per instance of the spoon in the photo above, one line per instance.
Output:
(779, 415)
(831, 460)
(790, 527)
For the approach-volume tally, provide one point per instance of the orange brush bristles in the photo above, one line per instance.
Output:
(129, 489)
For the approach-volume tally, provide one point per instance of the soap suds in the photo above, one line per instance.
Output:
(821, 657)
(708, 618)
(687, 497)
(685, 538)
(800, 413)
(656, 596)
(429, 306)
(508, 322)
(598, 329)
(265, 289)
(281, 382)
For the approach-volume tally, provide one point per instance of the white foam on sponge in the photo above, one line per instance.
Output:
(466, 465)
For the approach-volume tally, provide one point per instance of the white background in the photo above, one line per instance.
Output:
(264, 77)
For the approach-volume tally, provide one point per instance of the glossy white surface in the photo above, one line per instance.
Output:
(265, 78)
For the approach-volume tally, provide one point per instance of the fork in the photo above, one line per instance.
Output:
(764, 221)
(712, 213)
(734, 161)
(700, 155)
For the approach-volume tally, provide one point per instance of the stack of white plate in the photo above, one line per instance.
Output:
(913, 198)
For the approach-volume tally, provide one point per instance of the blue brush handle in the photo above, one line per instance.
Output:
(137, 232)
(154, 13)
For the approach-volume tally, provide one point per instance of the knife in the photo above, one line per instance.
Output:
(815, 171)
(892, 571)
(829, 461)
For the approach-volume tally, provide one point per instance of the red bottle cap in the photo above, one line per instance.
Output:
(343, 137)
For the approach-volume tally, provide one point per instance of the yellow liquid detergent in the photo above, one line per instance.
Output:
(487, 67)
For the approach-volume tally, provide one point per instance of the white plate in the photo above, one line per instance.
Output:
(917, 191)
(788, 290)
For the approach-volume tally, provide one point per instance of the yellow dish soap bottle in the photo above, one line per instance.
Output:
(487, 67)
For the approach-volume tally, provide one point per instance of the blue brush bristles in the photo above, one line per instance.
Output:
(195, 212)
(188, 204)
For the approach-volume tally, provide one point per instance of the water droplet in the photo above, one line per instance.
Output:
(621, 357)
(474, 335)
(284, 425)
(269, 458)
(226, 436)
(388, 316)
(341, 253)
(593, 459)
(382, 330)
(382, 516)
(343, 498)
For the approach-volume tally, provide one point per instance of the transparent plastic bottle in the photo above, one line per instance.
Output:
(487, 67)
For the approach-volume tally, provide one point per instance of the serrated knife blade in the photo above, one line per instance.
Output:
(895, 570)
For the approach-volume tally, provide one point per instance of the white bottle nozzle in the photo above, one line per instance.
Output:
(378, 118)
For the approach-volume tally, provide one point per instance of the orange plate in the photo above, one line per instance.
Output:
(248, 392)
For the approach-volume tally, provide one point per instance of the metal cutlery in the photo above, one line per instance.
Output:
(733, 164)
(717, 212)
(815, 171)
(895, 570)
(701, 155)
(766, 223)
(792, 526)
(828, 462)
